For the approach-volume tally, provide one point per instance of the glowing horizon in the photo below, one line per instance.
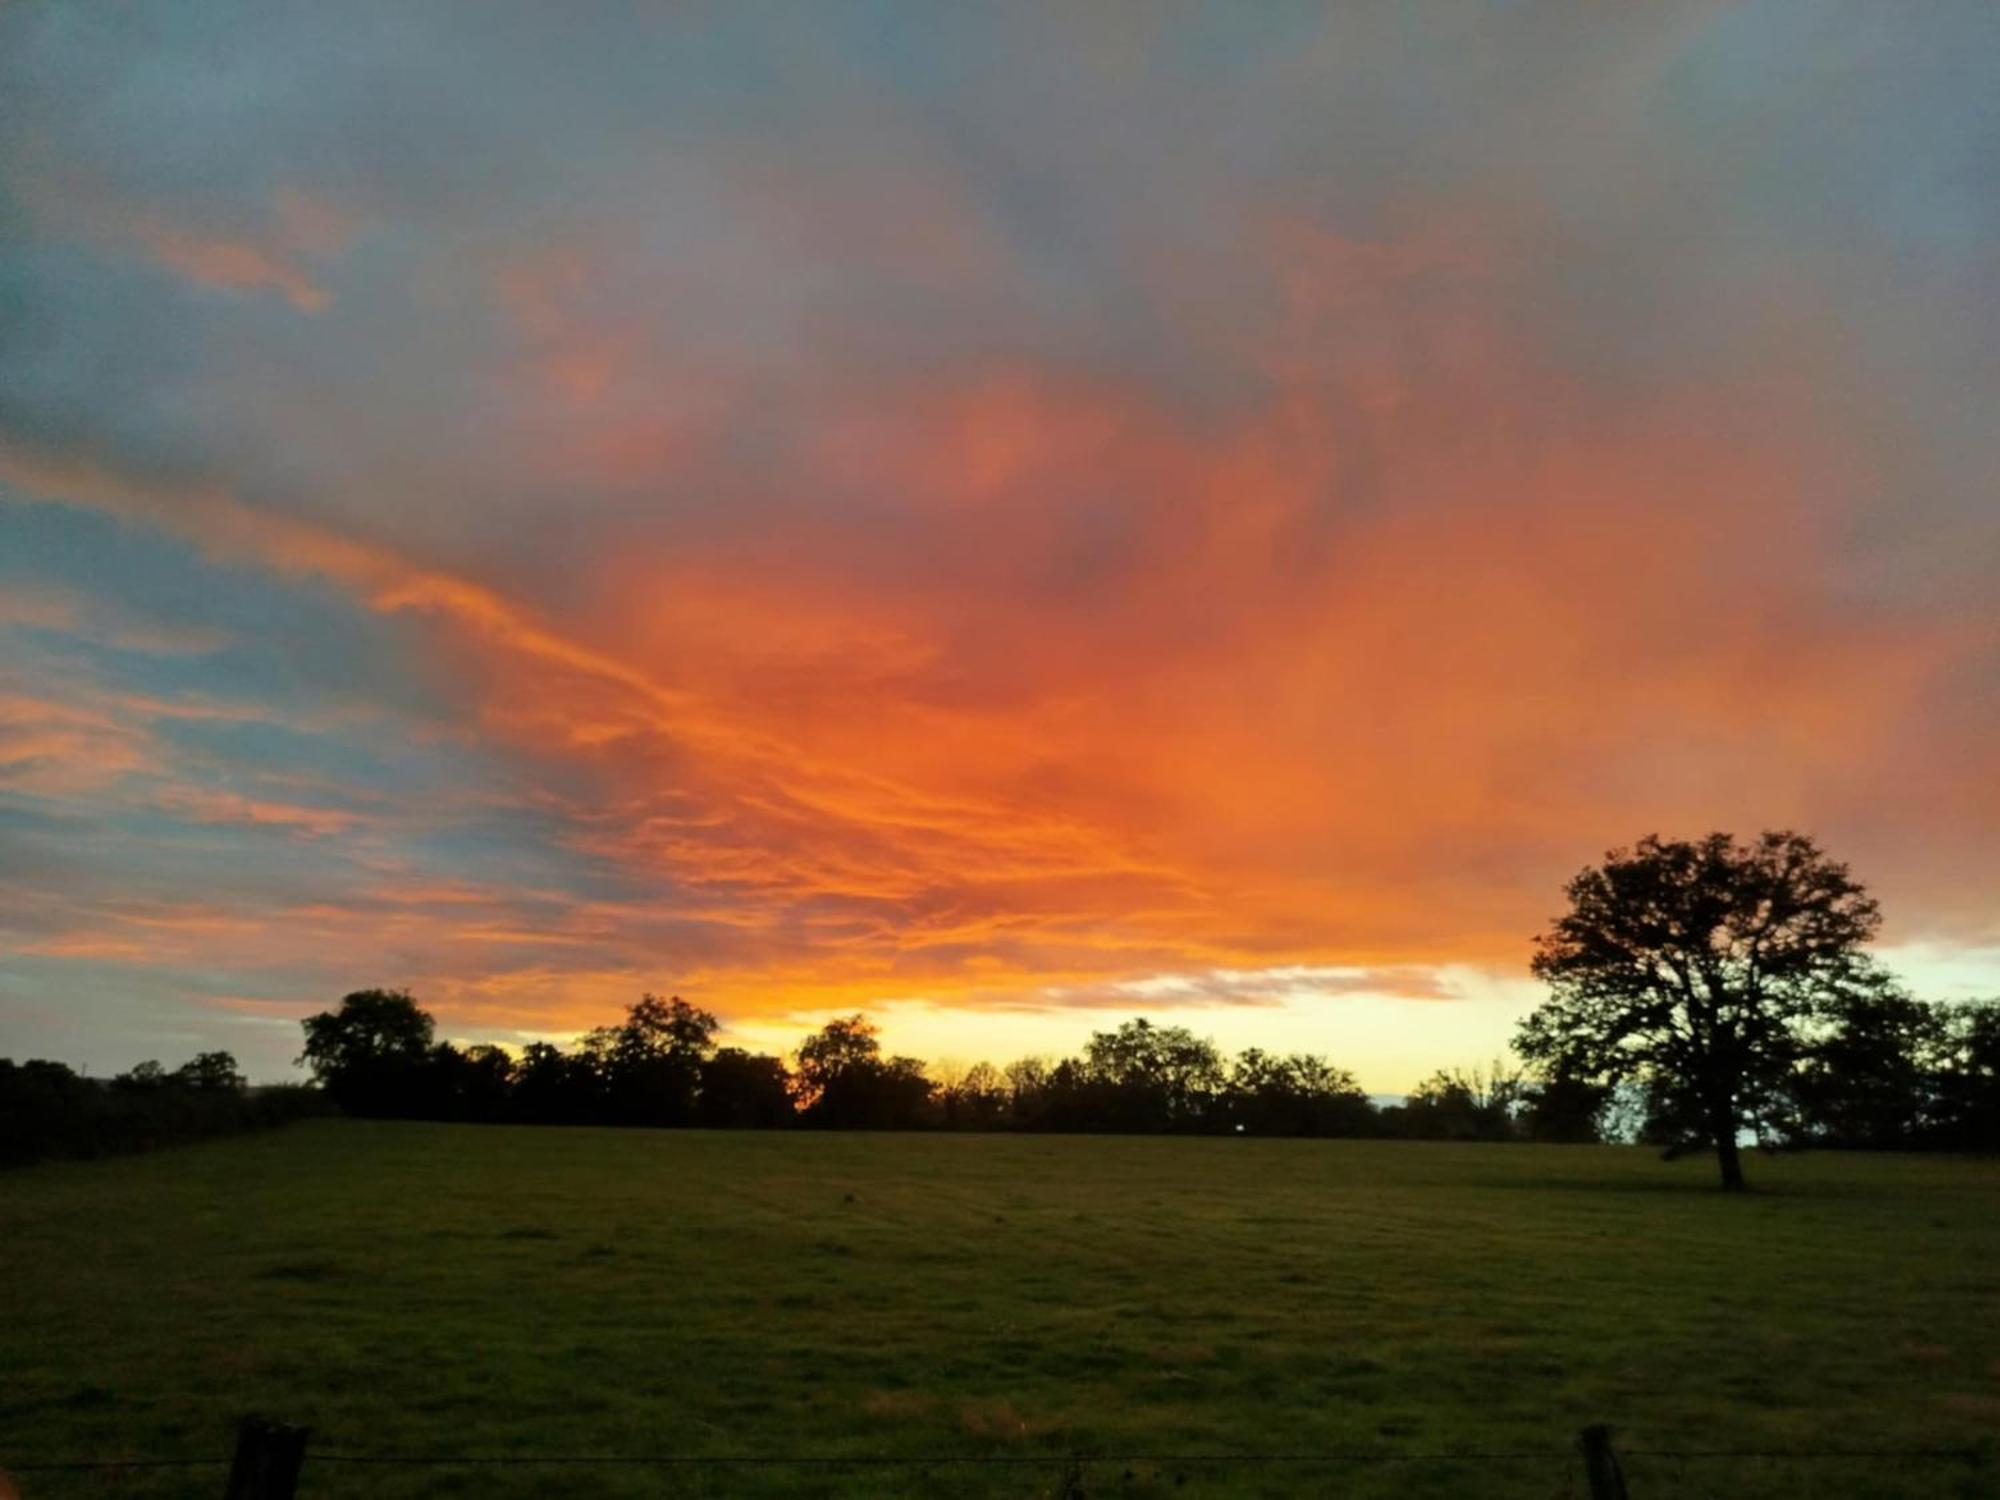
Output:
(1001, 521)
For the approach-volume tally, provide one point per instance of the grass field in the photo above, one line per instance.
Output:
(486, 1290)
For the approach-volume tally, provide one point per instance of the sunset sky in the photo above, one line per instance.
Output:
(1005, 517)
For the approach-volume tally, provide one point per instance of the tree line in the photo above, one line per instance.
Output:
(1887, 1073)
(47, 1109)
(378, 1054)
(1702, 993)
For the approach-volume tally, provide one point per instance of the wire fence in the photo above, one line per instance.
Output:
(269, 1457)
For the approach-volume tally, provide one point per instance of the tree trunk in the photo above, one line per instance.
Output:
(1727, 1156)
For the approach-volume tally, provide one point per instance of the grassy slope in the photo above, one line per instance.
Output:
(416, 1287)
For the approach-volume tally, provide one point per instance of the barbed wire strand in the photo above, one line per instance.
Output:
(78, 1465)
(1009, 1460)
(760, 1460)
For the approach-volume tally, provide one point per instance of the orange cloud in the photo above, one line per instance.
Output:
(52, 748)
(1343, 675)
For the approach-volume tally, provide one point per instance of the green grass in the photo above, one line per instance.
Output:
(459, 1289)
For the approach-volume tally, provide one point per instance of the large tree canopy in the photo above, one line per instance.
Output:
(370, 1053)
(648, 1070)
(1695, 967)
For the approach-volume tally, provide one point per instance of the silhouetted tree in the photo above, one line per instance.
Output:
(892, 1094)
(473, 1084)
(843, 1043)
(1296, 1095)
(653, 1061)
(844, 1083)
(211, 1072)
(1461, 1105)
(1874, 1076)
(1146, 1077)
(1073, 1098)
(877, 1094)
(593, 1066)
(370, 1054)
(1969, 1078)
(744, 1091)
(46, 1109)
(141, 1077)
(974, 1100)
(552, 1087)
(1563, 1109)
(1028, 1092)
(1697, 965)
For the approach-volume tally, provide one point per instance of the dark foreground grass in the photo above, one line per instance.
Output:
(442, 1290)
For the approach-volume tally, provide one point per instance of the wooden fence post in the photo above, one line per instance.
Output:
(1600, 1464)
(268, 1456)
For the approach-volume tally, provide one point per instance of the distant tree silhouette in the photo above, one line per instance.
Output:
(370, 1055)
(1875, 1076)
(1463, 1105)
(843, 1043)
(473, 1084)
(211, 1072)
(550, 1087)
(141, 1077)
(1969, 1089)
(892, 1094)
(652, 1063)
(1890, 1072)
(593, 1067)
(1561, 1108)
(844, 1083)
(1697, 965)
(1075, 1098)
(744, 1091)
(1143, 1077)
(1027, 1092)
(974, 1098)
(45, 1107)
(1296, 1095)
